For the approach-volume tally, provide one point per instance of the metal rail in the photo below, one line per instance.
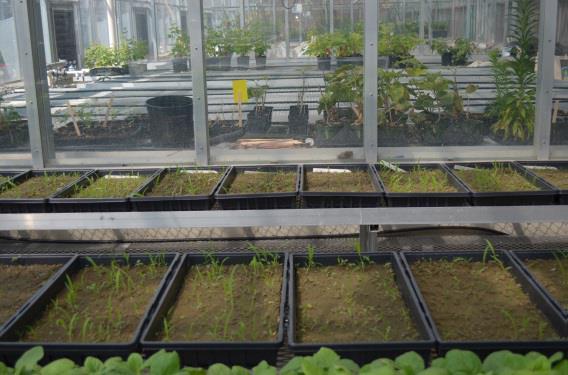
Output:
(294, 217)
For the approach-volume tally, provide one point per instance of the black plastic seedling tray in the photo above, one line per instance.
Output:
(545, 196)
(26, 260)
(483, 348)
(11, 348)
(562, 165)
(520, 256)
(199, 353)
(63, 202)
(417, 199)
(257, 201)
(202, 202)
(362, 352)
(34, 205)
(346, 199)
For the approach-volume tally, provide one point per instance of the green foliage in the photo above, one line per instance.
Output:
(324, 362)
(460, 50)
(435, 96)
(220, 42)
(98, 55)
(320, 45)
(181, 41)
(345, 85)
(129, 50)
(515, 78)
(242, 41)
(394, 98)
(259, 32)
(398, 46)
(258, 92)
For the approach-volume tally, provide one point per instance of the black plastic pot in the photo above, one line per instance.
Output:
(11, 347)
(346, 199)
(257, 201)
(259, 120)
(180, 64)
(225, 63)
(199, 353)
(447, 58)
(22, 260)
(417, 199)
(63, 201)
(520, 256)
(395, 136)
(561, 165)
(342, 134)
(324, 63)
(298, 119)
(352, 60)
(171, 121)
(260, 62)
(140, 202)
(243, 62)
(213, 63)
(545, 196)
(483, 348)
(362, 352)
(34, 205)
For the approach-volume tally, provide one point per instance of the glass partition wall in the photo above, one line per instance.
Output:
(284, 81)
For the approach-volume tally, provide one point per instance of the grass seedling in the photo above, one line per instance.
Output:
(180, 182)
(109, 186)
(362, 260)
(39, 186)
(262, 182)
(68, 326)
(500, 177)
(214, 266)
(418, 179)
(491, 253)
(229, 289)
(311, 261)
(71, 296)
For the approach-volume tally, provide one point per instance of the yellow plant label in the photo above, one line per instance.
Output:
(240, 94)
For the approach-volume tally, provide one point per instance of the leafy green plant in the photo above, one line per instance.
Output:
(320, 45)
(515, 78)
(258, 92)
(98, 55)
(345, 85)
(398, 47)
(460, 50)
(181, 41)
(242, 40)
(394, 98)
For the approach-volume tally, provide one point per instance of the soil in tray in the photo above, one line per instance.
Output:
(476, 301)
(552, 274)
(417, 180)
(182, 183)
(496, 179)
(19, 283)
(109, 187)
(356, 181)
(351, 303)
(39, 186)
(558, 178)
(99, 304)
(262, 182)
(226, 303)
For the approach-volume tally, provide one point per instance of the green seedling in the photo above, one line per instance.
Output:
(491, 253)
(363, 260)
(310, 261)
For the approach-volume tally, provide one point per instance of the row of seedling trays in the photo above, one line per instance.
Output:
(285, 186)
(234, 309)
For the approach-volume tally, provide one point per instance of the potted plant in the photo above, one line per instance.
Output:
(394, 103)
(456, 54)
(243, 45)
(13, 129)
(260, 118)
(515, 80)
(137, 51)
(180, 49)
(103, 61)
(298, 115)
(260, 47)
(320, 47)
(226, 48)
(211, 46)
(398, 47)
(348, 48)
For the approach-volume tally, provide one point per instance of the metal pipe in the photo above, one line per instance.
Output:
(370, 88)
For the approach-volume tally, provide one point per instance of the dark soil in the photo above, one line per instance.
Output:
(356, 181)
(227, 303)
(40, 186)
(479, 301)
(348, 303)
(104, 307)
(558, 178)
(418, 180)
(110, 187)
(19, 283)
(497, 179)
(180, 183)
(114, 132)
(262, 182)
(552, 274)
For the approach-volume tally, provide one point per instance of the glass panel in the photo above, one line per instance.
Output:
(261, 103)
(467, 90)
(14, 137)
(559, 131)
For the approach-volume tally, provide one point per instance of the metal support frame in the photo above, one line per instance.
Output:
(367, 238)
(32, 60)
(545, 77)
(199, 76)
(287, 27)
(364, 217)
(370, 88)
(155, 39)
(331, 17)
(242, 14)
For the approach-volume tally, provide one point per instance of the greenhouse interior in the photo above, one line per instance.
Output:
(269, 187)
